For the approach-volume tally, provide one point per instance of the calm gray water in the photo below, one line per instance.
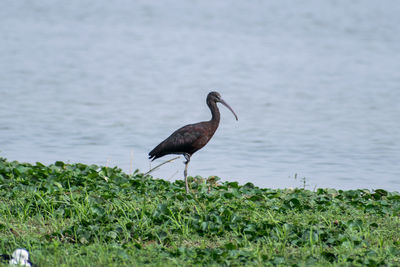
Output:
(316, 86)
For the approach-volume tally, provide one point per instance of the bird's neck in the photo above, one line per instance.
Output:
(215, 116)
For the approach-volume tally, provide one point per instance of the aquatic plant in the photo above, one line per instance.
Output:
(82, 215)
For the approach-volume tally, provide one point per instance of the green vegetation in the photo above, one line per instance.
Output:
(87, 215)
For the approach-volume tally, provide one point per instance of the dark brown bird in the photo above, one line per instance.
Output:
(192, 137)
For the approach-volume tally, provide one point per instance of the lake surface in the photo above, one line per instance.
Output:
(316, 86)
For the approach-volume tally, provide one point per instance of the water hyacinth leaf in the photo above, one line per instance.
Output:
(59, 185)
(374, 225)
(204, 226)
(59, 164)
(293, 203)
(99, 211)
(250, 228)
(38, 164)
(352, 194)
(138, 245)
(395, 251)
(394, 195)
(228, 195)
(358, 223)
(249, 185)
(321, 191)
(371, 253)
(112, 234)
(279, 260)
(162, 209)
(230, 246)
(129, 225)
(256, 198)
(162, 235)
(83, 240)
(381, 192)
(233, 184)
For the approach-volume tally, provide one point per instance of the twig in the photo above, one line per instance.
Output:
(159, 165)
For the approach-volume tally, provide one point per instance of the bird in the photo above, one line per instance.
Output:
(19, 257)
(192, 137)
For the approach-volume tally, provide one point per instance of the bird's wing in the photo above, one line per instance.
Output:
(183, 140)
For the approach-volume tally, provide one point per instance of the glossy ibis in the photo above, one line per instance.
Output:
(192, 137)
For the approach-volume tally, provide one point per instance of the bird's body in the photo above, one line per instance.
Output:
(190, 138)
(187, 139)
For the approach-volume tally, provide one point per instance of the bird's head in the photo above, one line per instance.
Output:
(216, 97)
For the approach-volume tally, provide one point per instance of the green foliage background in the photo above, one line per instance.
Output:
(87, 215)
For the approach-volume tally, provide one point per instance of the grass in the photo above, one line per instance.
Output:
(87, 215)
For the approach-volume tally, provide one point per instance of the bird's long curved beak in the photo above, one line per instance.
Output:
(229, 107)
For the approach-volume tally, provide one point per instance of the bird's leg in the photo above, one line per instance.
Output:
(187, 157)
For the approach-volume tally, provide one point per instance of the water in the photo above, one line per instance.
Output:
(315, 86)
